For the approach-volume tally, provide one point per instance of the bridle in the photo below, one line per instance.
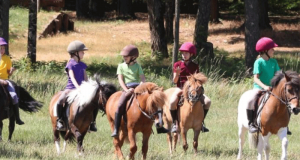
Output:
(286, 100)
(151, 116)
(197, 97)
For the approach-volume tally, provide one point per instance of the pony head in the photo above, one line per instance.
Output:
(289, 82)
(192, 89)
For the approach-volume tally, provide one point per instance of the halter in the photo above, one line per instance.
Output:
(287, 101)
(196, 98)
(151, 116)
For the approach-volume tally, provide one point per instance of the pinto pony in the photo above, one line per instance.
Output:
(79, 114)
(190, 114)
(141, 111)
(26, 102)
(273, 117)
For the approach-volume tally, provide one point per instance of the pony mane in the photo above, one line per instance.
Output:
(84, 94)
(156, 97)
(192, 80)
(146, 87)
(295, 79)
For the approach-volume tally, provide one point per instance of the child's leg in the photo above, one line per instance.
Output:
(173, 108)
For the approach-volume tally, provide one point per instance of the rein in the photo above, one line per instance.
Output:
(151, 117)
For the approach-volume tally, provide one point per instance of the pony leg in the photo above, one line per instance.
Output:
(79, 137)
(146, 136)
(260, 147)
(132, 141)
(242, 131)
(184, 142)
(66, 138)
(195, 143)
(284, 143)
(175, 137)
(267, 146)
(11, 127)
(56, 140)
(169, 139)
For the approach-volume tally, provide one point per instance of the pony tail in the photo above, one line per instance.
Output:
(26, 102)
(253, 140)
(156, 99)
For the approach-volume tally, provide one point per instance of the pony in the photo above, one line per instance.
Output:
(190, 114)
(26, 102)
(273, 117)
(79, 113)
(142, 109)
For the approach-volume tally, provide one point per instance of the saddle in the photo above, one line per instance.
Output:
(261, 99)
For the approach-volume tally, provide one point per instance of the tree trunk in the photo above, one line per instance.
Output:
(176, 39)
(124, 8)
(82, 8)
(96, 9)
(31, 46)
(214, 17)
(264, 21)
(251, 32)
(169, 20)
(156, 25)
(201, 31)
(4, 22)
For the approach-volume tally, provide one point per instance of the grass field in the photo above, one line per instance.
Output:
(34, 140)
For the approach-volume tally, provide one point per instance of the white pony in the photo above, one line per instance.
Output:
(274, 116)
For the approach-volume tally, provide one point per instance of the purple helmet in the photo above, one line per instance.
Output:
(2, 41)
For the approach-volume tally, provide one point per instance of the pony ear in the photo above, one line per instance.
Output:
(161, 89)
(287, 77)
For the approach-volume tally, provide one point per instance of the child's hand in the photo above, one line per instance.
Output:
(130, 90)
(177, 70)
(267, 88)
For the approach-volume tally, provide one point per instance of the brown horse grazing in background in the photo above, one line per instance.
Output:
(26, 102)
(190, 114)
(79, 114)
(142, 109)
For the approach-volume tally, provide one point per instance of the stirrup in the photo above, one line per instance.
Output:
(114, 134)
(93, 127)
(174, 128)
(20, 122)
(253, 128)
(60, 125)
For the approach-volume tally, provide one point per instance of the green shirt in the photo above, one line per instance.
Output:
(266, 70)
(130, 73)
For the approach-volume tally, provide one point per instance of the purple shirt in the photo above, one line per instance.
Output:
(78, 69)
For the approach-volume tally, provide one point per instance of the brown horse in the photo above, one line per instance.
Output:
(26, 102)
(190, 114)
(142, 109)
(79, 115)
(273, 116)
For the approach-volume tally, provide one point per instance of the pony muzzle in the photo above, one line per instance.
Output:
(296, 110)
(160, 122)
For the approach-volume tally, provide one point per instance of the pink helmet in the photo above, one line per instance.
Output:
(2, 41)
(265, 44)
(188, 47)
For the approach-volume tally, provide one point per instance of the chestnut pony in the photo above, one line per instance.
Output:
(190, 114)
(26, 102)
(273, 117)
(79, 115)
(142, 109)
